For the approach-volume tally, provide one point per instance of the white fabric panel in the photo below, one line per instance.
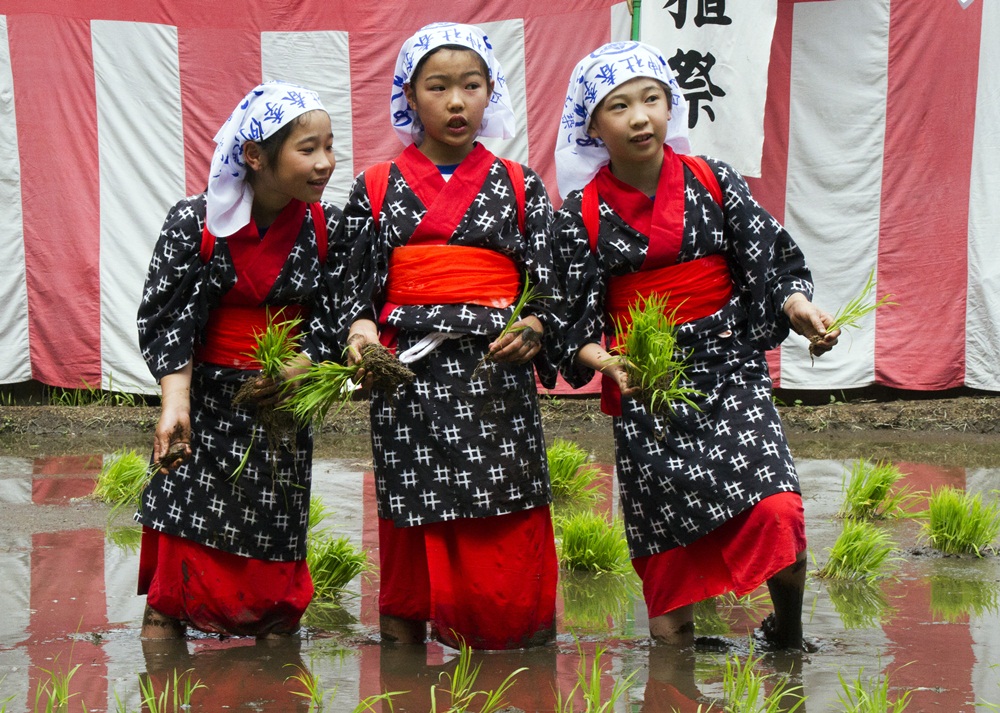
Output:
(141, 163)
(15, 360)
(507, 38)
(621, 23)
(121, 568)
(320, 61)
(837, 108)
(742, 51)
(982, 340)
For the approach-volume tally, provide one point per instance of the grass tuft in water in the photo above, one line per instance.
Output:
(859, 553)
(960, 523)
(122, 479)
(333, 563)
(654, 362)
(571, 473)
(175, 696)
(870, 695)
(597, 603)
(590, 543)
(590, 687)
(861, 604)
(52, 693)
(868, 492)
(460, 688)
(748, 691)
(317, 695)
(127, 537)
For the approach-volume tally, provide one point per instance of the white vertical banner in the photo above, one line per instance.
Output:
(621, 23)
(507, 38)
(141, 169)
(320, 61)
(834, 188)
(982, 321)
(15, 360)
(720, 54)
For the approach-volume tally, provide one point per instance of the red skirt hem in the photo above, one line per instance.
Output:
(220, 592)
(738, 556)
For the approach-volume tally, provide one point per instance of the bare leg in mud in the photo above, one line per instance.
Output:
(675, 628)
(396, 630)
(784, 627)
(159, 626)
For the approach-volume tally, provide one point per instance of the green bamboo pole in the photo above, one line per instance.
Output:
(636, 6)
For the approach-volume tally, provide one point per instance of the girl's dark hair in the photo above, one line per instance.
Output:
(270, 147)
(420, 65)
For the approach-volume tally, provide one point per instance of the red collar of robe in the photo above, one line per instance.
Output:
(662, 219)
(447, 202)
(258, 261)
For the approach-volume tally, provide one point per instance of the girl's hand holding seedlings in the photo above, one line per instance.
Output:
(268, 391)
(172, 440)
(810, 321)
(362, 332)
(521, 343)
(595, 357)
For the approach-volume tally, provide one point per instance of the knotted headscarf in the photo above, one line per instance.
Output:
(498, 119)
(579, 156)
(263, 111)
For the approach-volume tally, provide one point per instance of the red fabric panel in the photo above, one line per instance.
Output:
(769, 189)
(451, 274)
(553, 44)
(210, 89)
(737, 557)
(219, 592)
(925, 194)
(54, 93)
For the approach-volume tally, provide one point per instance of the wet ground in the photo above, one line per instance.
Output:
(67, 583)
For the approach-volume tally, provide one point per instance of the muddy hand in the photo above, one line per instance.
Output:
(521, 344)
(176, 454)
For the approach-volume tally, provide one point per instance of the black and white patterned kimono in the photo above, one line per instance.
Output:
(683, 474)
(262, 512)
(461, 441)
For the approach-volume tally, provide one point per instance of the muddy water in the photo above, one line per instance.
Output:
(67, 602)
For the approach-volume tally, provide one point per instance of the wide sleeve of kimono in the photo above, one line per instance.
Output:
(172, 305)
(543, 276)
(767, 266)
(325, 330)
(366, 262)
(584, 282)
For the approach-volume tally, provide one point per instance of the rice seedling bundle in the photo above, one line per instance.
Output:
(327, 384)
(653, 360)
(960, 523)
(954, 599)
(591, 601)
(869, 494)
(746, 690)
(570, 474)
(590, 687)
(122, 479)
(333, 562)
(859, 553)
(861, 604)
(870, 695)
(851, 313)
(589, 542)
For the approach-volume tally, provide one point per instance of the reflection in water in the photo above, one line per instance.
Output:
(68, 598)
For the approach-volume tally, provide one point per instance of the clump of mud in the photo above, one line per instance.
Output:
(388, 373)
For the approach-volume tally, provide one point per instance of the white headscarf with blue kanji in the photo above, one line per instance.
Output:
(498, 119)
(579, 156)
(263, 111)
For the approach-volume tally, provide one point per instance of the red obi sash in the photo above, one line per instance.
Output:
(429, 271)
(233, 326)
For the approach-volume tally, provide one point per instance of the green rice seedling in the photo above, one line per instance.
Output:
(745, 689)
(955, 599)
(861, 604)
(318, 512)
(529, 294)
(333, 562)
(589, 542)
(859, 553)
(53, 693)
(461, 682)
(960, 523)
(708, 621)
(591, 601)
(122, 479)
(986, 704)
(653, 361)
(851, 313)
(175, 696)
(590, 687)
(570, 472)
(868, 492)
(328, 616)
(870, 695)
(312, 690)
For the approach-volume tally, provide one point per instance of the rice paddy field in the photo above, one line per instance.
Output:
(920, 630)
